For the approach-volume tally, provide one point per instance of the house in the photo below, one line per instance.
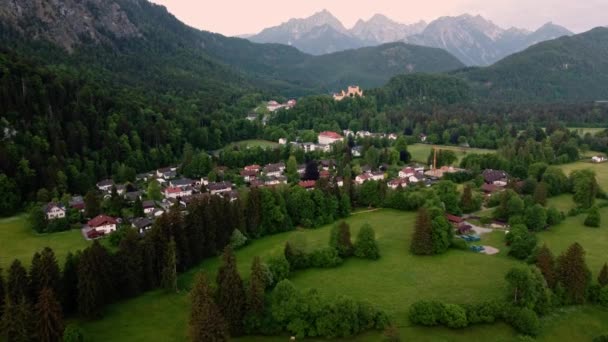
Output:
(496, 177)
(141, 224)
(253, 167)
(175, 192)
(103, 224)
(256, 183)
(309, 147)
(252, 116)
(133, 195)
(377, 175)
(392, 136)
(363, 134)
(396, 183)
(282, 141)
(144, 176)
(182, 183)
(324, 174)
(166, 172)
(356, 151)
(454, 220)
(276, 180)
(329, 137)
(77, 203)
(308, 184)
(121, 189)
(339, 181)
(54, 211)
(352, 91)
(327, 164)
(323, 147)
(440, 172)
(598, 159)
(407, 172)
(105, 185)
(274, 170)
(301, 169)
(248, 176)
(148, 206)
(362, 178)
(422, 137)
(348, 132)
(218, 188)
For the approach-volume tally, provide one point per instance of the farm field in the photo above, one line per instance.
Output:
(18, 241)
(393, 283)
(420, 152)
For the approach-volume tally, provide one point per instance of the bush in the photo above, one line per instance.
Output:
(366, 246)
(487, 312)
(279, 268)
(523, 320)
(237, 240)
(459, 244)
(454, 316)
(428, 313)
(73, 333)
(593, 218)
(324, 258)
(554, 216)
(58, 225)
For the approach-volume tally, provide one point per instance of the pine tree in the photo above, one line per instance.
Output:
(69, 283)
(422, 239)
(206, 323)
(169, 273)
(95, 284)
(257, 286)
(49, 322)
(253, 212)
(545, 261)
(231, 293)
(17, 321)
(573, 274)
(602, 278)
(16, 283)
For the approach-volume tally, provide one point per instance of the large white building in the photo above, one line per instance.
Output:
(329, 137)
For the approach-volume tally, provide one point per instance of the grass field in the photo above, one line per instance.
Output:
(601, 171)
(420, 152)
(18, 241)
(254, 143)
(584, 130)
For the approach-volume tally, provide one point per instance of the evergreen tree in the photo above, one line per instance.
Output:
(169, 273)
(18, 321)
(573, 274)
(545, 261)
(50, 274)
(34, 277)
(291, 169)
(540, 193)
(442, 234)
(138, 208)
(365, 246)
(129, 257)
(467, 203)
(231, 293)
(253, 212)
(343, 243)
(94, 280)
(49, 322)
(602, 278)
(312, 171)
(593, 218)
(255, 296)
(69, 283)
(206, 323)
(92, 204)
(422, 239)
(16, 283)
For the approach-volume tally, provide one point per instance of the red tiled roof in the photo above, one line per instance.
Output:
(330, 134)
(489, 187)
(101, 220)
(307, 184)
(454, 218)
(173, 190)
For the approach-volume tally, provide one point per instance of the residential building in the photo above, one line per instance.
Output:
(103, 224)
(248, 176)
(396, 183)
(77, 202)
(377, 175)
(356, 151)
(496, 177)
(407, 172)
(167, 172)
(352, 91)
(598, 159)
(149, 206)
(141, 224)
(218, 188)
(105, 185)
(54, 211)
(182, 183)
(175, 192)
(308, 184)
(329, 137)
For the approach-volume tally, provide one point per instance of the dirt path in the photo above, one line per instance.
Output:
(366, 211)
(479, 230)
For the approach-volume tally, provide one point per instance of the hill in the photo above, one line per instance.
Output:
(568, 69)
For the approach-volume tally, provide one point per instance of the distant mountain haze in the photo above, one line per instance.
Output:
(472, 39)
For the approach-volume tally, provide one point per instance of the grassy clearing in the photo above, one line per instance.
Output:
(601, 171)
(18, 241)
(563, 202)
(254, 143)
(420, 152)
(584, 130)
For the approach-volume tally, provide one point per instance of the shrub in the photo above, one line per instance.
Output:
(297, 259)
(523, 320)
(324, 258)
(237, 240)
(428, 313)
(454, 316)
(593, 218)
(554, 216)
(279, 268)
(73, 333)
(366, 246)
(459, 244)
(486, 312)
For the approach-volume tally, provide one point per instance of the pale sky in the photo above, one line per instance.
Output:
(233, 17)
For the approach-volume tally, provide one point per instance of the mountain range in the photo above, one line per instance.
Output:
(472, 39)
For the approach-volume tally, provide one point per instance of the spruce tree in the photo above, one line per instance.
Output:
(344, 243)
(92, 205)
(129, 258)
(366, 246)
(593, 218)
(17, 321)
(50, 275)
(206, 323)
(253, 213)
(602, 278)
(95, 284)
(255, 296)
(49, 322)
(69, 283)
(169, 273)
(231, 293)
(573, 274)
(545, 261)
(422, 239)
(16, 283)
(35, 276)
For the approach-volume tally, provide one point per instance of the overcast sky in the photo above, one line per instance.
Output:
(232, 17)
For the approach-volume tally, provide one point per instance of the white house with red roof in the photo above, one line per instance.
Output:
(407, 172)
(329, 137)
(103, 224)
(395, 183)
(175, 192)
(362, 178)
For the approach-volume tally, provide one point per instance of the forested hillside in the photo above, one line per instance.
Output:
(568, 69)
